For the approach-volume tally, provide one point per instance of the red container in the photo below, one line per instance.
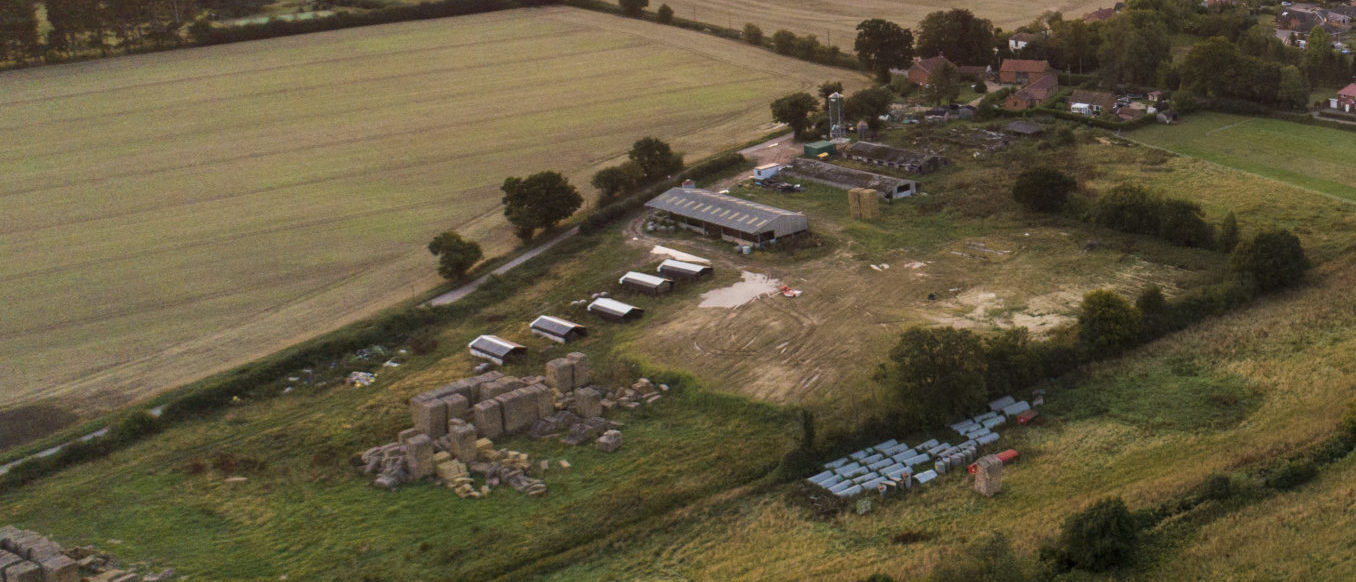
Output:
(1026, 416)
(1007, 456)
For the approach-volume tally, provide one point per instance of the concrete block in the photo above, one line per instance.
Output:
(430, 416)
(23, 572)
(560, 374)
(489, 421)
(8, 559)
(498, 387)
(59, 568)
(420, 459)
(25, 542)
(7, 533)
(404, 436)
(545, 399)
(42, 550)
(463, 439)
(588, 403)
(582, 375)
(519, 409)
(609, 442)
(457, 407)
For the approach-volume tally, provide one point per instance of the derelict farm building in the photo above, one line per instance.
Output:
(888, 187)
(883, 155)
(732, 219)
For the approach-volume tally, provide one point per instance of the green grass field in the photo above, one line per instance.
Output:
(170, 215)
(1311, 157)
(836, 22)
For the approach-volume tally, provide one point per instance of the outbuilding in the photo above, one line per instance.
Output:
(495, 349)
(887, 187)
(733, 219)
(557, 329)
(679, 269)
(646, 283)
(814, 149)
(613, 310)
(767, 171)
(891, 157)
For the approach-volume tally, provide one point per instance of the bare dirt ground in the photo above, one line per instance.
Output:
(805, 350)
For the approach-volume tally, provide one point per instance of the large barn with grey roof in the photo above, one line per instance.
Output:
(732, 219)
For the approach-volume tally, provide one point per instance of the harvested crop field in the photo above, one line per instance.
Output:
(171, 215)
(836, 22)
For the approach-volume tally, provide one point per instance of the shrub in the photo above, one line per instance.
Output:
(1107, 324)
(1155, 318)
(1292, 475)
(1100, 537)
(989, 558)
(633, 8)
(1228, 234)
(936, 374)
(784, 42)
(1043, 189)
(1129, 209)
(1183, 223)
(752, 34)
(1273, 260)
(455, 254)
(664, 15)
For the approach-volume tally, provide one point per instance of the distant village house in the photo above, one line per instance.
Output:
(1022, 71)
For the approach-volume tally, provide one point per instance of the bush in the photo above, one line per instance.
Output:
(1228, 234)
(752, 34)
(1292, 475)
(936, 374)
(633, 8)
(1133, 209)
(989, 558)
(1273, 260)
(664, 15)
(1100, 537)
(1107, 324)
(1043, 189)
(455, 254)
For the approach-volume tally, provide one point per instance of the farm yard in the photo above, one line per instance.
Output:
(688, 496)
(836, 22)
(171, 215)
(1317, 158)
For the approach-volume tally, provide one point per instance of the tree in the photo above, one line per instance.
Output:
(1074, 42)
(18, 30)
(958, 35)
(538, 202)
(868, 105)
(1107, 324)
(1133, 45)
(937, 374)
(1273, 259)
(943, 85)
(633, 8)
(882, 45)
(794, 110)
(1129, 208)
(829, 88)
(1228, 234)
(783, 42)
(1100, 537)
(455, 254)
(1043, 189)
(654, 158)
(1153, 311)
(1182, 222)
(614, 181)
(1012, 362)
(664, 15)
(752, 34)
(1293, 91)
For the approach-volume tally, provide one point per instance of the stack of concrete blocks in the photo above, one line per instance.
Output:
(989, 475)
(26, 556)
(432, 410)
(639, 394)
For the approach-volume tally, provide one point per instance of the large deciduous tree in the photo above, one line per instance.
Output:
(18, 30)
(1133, 45)
(957, 34)
(1273, 259)
(614, 181)
(943, 84)
(882, 45)
(654, 158)
(794, 110)
(936, 374)
(1107, 323)
(868, 105)
(539, 201)
(455, 254)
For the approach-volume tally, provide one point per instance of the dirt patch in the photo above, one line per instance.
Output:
(752, 287)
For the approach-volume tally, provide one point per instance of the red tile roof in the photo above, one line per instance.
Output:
(1025, 66)
(1348, 91)
(1097, 15)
